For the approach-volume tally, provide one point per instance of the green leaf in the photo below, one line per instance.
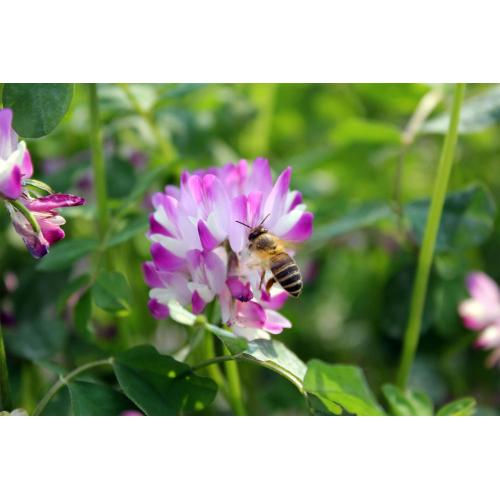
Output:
(358, 218)
(160, 385)
(38, 107)
(65, 253)
(277, 357)
(341, 385)
(356, 131)
(477, 113)
(71, 288)
(88, 398)
(235, 344)
(467, 221)
(82, 313)
(37, 339)
(111, 292)
(458, 408)
(407, 403)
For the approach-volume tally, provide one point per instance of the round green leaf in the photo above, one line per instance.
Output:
(38, 107)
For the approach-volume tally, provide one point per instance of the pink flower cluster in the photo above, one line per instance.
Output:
(199, 251)
(15, 171)
(481, 312)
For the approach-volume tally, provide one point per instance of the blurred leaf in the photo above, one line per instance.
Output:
(407, 403)
(358, 218)
(88, 398)
(71, 288)
(65, 253)
(160, 385)
(342, 385)
(143, 183)
(235, 344)
(38, 107)
(477, 113)
(356, 131)
(120, 177)
(82, 312)
(38, 339)
(178, 91)
(277, 357)
(132, 227)
(459, 408)
(467, 221)
(111, 292)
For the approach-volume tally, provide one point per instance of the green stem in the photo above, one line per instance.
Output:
(165, 146)
(27, 214)
(98, 165)
(426, 254)
(213, 361)
(64, 380)
(211, 365)
(234, 386)
(5, 401)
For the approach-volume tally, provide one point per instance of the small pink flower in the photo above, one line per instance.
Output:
(481, 312)
(15, 169)
(199, 251)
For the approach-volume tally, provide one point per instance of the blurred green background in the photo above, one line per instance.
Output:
(361, 155)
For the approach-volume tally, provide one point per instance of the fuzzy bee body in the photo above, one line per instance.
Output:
(270, 251)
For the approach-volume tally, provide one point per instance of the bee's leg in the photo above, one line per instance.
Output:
(270, 283)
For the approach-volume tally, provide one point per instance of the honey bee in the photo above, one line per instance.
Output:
(270, 250)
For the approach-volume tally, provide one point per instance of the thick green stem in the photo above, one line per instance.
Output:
(5, 402)
(64, 380)
(426, 254)
(165, 146)
(96, 146)
(234, 386)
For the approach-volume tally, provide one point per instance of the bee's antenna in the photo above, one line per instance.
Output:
(264, 219)
(243, 224)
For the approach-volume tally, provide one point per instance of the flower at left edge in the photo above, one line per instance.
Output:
(15, 169)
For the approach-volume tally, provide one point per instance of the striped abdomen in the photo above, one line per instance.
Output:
(286, 272)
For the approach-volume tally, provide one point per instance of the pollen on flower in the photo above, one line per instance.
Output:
(200, 253)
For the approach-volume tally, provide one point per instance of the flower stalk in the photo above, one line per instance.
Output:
(426, 254)
(234, 386)
(5, 401)
(98, 164)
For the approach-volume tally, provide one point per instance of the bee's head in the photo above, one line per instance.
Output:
(256, 232)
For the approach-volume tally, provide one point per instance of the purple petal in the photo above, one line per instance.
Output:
(8, 138)
(483, 288)
(164, 259)
(237, 232)
(302, 230)
(10, 186)
(26, 165)
(197, 303)
(274, 302)
(261, 178)
(131, 413)
(275, 203)
(151, 276)
(158, 311)
(275, 322)
(217, 201)
(208, 240)
(250, 314)
(156, 228)
(215, 271)
(239, 290)
(51, 230)
(53, 201)
(254, 208)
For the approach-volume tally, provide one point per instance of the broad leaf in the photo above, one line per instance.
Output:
(467, 221)
(131, 228)
(65, 253)
(459, 408)
(277, 357)
(88, 398)
(407, 403)
(38, 107)
(111, 292)
(160, 385)
(235, 344)
(341, 385)
(82, 312)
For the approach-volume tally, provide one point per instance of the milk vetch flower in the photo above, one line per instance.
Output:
(35, 218)
(200, 253)
(481, 312)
